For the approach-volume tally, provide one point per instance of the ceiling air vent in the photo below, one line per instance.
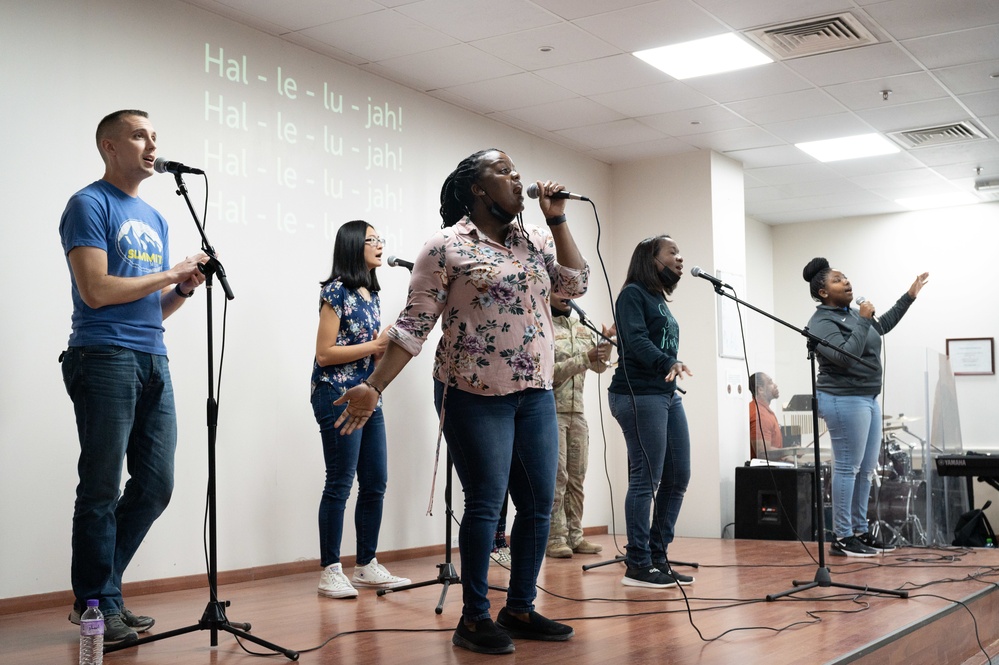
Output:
(940, 135)
(813, 36)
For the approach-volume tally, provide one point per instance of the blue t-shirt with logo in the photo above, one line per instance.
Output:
(135, 237)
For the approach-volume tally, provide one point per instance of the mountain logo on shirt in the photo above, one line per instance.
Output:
(140, 246)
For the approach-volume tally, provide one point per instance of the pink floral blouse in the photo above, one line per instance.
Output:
(493, 303)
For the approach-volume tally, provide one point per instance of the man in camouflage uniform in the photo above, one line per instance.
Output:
(575, 352)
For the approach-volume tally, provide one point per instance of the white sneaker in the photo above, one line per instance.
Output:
(501, 556)
(374, 574)
(334, 584)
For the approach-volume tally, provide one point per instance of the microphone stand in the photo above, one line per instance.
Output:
(822, 575)
(214, 618)
(447, 574)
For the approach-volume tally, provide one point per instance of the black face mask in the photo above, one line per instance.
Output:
(558, 312)
(499, 213)
(668, 277)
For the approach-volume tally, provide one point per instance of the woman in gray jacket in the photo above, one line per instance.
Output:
(847, 393)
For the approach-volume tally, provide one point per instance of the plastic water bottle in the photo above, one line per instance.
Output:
(92, 635)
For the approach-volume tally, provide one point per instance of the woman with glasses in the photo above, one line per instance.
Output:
(645, 401)
(347, 345)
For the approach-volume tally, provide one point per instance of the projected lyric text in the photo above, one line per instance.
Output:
(295, 154)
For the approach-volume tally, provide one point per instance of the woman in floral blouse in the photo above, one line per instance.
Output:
(347, 345)
(489, 278)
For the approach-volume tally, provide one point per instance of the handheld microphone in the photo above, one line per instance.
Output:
(697, 272)
(163, 166)
(397, 262)
(860, 301)
(532, 192)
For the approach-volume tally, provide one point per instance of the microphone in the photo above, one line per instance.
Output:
(163, 166)
(577, 309)
(532, 192)
(860, 301)
(397, 262)
(697, 272)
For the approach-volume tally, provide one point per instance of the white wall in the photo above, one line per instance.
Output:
(881, 256)
(279, 189)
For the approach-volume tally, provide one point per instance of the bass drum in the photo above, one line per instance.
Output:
(897, 500)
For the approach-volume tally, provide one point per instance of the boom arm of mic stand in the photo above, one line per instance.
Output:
(586, 322)
(213, 266)
(813, 339)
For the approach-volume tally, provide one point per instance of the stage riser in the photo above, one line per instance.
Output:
(947, 638)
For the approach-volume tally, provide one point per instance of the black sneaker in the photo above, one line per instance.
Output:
(486, 638)
(875, 543)
(137, 622)
(681, 579)
(851, 546)
(650, 578)
(536, 627)
(115, 630)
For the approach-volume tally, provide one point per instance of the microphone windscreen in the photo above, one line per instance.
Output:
(532, 190)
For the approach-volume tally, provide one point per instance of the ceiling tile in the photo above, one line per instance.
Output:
(652, 24)
(770, 79)
(568, 45)
(788, 106)
(468, 20)
(862, 63)
(503, 94)
(906, 19)
(619, 132)
(573, 9)
(593, 77)
(653, 99)
(819, 128)
(364, 35)
(921, 114)
(976, 77)
(447, 67)
(695, 121)
(780, 155)
(956, 48)
(565, 114)
(741, 15)
(728, 140)
(903, 89)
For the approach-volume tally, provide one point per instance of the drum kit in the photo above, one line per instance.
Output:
(897, 505)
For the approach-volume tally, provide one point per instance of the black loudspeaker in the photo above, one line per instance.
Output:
(773, 503)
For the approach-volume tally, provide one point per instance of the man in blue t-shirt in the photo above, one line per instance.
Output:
(115, 368)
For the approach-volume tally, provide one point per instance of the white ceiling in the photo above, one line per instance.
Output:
(939, 58)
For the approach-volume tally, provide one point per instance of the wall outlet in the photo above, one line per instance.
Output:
(454, 542)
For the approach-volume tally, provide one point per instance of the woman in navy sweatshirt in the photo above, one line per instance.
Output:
(644, 399)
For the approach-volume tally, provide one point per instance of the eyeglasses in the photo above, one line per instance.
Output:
(374, 241)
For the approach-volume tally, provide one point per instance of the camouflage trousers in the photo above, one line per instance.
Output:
(573, 457)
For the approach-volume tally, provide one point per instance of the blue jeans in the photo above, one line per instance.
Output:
(658, 440)
(854, 423)
(362, 454)
(125, 413)
(496, 442)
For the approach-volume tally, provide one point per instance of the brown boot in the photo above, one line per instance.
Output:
(559, 551)
(586, 547)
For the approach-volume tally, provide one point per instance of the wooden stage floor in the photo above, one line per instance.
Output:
(725, 618)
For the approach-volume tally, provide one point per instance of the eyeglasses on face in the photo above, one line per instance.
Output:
(374, 241)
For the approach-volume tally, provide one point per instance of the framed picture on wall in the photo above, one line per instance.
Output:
(972, 355)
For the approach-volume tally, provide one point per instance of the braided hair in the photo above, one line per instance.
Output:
(816, 273)
(457, 199)
(456, 193)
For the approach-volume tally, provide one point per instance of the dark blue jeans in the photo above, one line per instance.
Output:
(658, 441)
(496, 442)
(854, 423)
(125, 414)
(361, 454)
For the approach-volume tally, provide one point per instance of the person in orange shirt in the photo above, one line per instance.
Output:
(763, 425)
